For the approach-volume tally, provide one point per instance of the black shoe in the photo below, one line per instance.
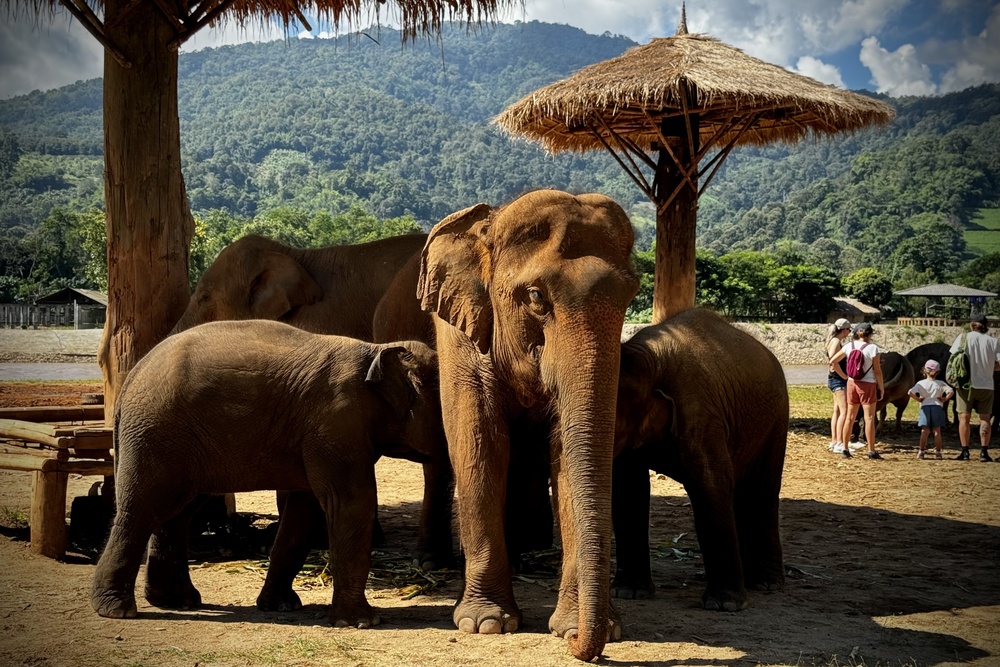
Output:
(984, 456)
(963, 455)
(846, 453)
(874, 456)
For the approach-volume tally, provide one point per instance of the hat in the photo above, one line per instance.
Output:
(842, 323)
(980, 318)
(864, 328)
(932, 366)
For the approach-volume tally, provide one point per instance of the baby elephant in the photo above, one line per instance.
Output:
(249, 405)
(706, 404)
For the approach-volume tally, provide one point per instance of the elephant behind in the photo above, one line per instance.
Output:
(230, 407)
(939, 352)
(898, 377)
(529, 301)
(706, 404)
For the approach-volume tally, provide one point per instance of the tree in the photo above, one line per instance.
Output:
(869, 286)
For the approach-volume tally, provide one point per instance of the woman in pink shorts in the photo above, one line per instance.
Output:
(865, 391)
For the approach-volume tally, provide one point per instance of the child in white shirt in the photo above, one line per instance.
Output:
(933, 394)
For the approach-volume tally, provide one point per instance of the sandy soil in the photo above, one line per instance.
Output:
(889, 563)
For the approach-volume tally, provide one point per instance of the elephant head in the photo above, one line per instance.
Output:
(540, 287)
(252, 278)
(646, 413)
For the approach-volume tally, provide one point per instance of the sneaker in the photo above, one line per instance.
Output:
(856, 445)
(984, 456)
(921, 454)
(837, 447)
(875, 456)
(963, 455)
(938, 456)
(846, 453)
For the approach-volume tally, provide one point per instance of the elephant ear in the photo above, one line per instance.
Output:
(454, 266)
(280, 286)
(389, 376)
(660, 419)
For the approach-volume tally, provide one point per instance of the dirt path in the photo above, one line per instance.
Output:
(890, 563)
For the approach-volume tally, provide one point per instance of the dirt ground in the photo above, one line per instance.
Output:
(893, 562)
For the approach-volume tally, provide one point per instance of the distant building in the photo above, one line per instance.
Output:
(853, 310)
(85, 308)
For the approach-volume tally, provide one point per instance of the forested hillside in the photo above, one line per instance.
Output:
(286, 137)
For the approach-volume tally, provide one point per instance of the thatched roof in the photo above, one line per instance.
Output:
(693, 73)
(414, 16)
(847, 305)
(943, 290)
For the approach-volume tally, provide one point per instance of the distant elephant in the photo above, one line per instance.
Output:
(229, 407)
(898, 377)
(332, 290)
(707, 404)
(939, 352)
(530, 300)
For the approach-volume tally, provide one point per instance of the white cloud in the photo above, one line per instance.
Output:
(898, 72)
(971, 61)
(819, 70)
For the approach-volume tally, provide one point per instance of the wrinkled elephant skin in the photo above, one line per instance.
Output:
(706, 404)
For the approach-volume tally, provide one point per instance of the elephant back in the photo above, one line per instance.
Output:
(918, 356)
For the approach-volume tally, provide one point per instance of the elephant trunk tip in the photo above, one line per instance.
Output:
(585, 650)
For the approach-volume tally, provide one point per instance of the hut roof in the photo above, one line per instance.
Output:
(68, 295)
(843, 304)
(414, 16)
(686, 73)
(944, 289)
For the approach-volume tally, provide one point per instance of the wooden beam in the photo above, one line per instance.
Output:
(28, 462)
(213, 14)
(64, 413)
(624, 148)
(94, 26)
(639, 180)
(171, 16)
(48, 514)
(132, 4)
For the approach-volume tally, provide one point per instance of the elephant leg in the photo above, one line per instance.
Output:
(434, 546)
(900, 407)
(529, 508)
(168, 582)
(757, 508)
(300, 513)
(565, 620)
(113, 589)
(630, 514)
(349, 500)
(712, 502)
(478, 443)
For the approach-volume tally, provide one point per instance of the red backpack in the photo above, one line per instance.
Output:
(856, 363)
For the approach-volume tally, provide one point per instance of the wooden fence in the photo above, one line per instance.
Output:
(28, 316)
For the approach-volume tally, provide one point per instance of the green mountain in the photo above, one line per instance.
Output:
(327, 125)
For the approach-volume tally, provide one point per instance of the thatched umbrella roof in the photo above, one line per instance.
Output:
(686, 73)
(944, 290)
(679, 98)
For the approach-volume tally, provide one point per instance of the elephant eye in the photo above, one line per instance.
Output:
(536, 301)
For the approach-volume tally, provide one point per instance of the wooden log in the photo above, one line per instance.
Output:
(16, 428)
(93, 438)
(55, 413)
(48, 514)
(89, 467)
(27, 462)
(43, 452)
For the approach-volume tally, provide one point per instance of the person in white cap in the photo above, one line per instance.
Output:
(933, 395)
(837, 383)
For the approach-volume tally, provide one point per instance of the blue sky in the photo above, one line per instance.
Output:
(897, 47)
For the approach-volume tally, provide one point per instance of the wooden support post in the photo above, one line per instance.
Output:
(48, 514)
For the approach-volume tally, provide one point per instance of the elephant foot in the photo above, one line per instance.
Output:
(185, 596)
(724, 600)
(358, 615)
(432, 560)
(485, 617)
(632, 588)
(114, 605)
(378, 534)
(565, 623)
(767, 581)
(286, 600)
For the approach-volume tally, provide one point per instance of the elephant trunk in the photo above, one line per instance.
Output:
(588, 393)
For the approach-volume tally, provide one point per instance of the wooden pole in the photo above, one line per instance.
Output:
(674, 277)
(48, 514)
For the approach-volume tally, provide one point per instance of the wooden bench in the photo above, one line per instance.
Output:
(51, 443)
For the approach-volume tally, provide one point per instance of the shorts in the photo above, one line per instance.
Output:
(836, 383)
(975, 400)
(861, 393)
(932, 416)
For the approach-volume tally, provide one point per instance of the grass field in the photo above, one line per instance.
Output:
(807, 401)
(987, 239)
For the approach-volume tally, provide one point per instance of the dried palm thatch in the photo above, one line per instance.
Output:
(739, 99)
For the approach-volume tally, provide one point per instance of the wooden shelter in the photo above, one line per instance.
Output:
(976, 299)
(149, 224)
(673, 109)
(87, 308)
(852, 310)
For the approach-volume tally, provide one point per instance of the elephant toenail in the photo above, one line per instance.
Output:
(467, 625)
(712, 605)
(729, 606)
(341, 623)
(490, 626)
(510, 624)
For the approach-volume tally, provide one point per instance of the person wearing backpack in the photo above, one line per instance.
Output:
(864, 384)
(983, 354)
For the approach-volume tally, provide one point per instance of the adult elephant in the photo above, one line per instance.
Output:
(899, 377)
(530, 299)
(939, 352)
(332, 290)
(705, 403)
